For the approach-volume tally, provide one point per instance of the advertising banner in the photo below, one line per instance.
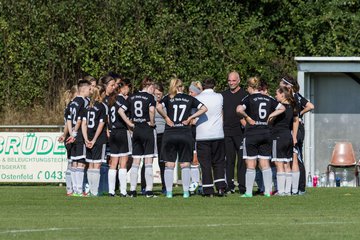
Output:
(32, 157)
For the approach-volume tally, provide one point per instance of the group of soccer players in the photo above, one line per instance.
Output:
(106, 124)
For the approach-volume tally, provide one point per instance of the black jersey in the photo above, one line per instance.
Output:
(258, 107)
(300, 102)
(67, 112)
(284, 121)
(140, 103)
(94, 116)
(179, 108)
(232, 125)
(116, 122)
(106, 100)
(77, 110)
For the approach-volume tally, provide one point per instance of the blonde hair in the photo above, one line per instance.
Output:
(175, 84)
(95, 96)
(254, 83)
(70, 94)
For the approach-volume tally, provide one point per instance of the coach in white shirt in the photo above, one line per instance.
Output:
(210, 140)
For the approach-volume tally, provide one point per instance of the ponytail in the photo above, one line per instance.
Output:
(254, 83)
(174, 88)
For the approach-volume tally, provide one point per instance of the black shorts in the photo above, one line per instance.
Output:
(120, 143)
(257, 146)
(301, 134)
(78, 152)
(96, 154)
(282, 148)
(177, 143)
(144, 142)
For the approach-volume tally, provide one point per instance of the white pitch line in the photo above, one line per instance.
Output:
(231, 225)
(180, 226)
(36, 230)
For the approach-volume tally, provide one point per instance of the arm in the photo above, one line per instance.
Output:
(240, 109)
(199, 112)
(308, 107)
(125, 118)
(243, 122)
(279, 110)
(97, 134)
(152, 115)
(159, 108)
(72, 133)
(84, 130)
(295, 129)
(61, 139)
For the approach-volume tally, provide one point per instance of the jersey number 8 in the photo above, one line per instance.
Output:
(138, 108)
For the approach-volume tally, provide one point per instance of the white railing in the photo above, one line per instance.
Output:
(59, 127)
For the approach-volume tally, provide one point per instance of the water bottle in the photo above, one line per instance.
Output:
(332, 179)
(309, 180)
(315, 180)
(323, 180)
(345, 178)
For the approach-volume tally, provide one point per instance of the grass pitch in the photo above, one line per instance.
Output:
(44, 212)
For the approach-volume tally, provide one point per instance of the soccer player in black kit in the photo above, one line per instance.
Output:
(258, 109)
(78, 149)
(142, 108)
(177, 138)
(94, 131)
(303, 106)
(120, 141)
(284, 131)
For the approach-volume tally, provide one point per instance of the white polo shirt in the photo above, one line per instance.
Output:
(210, 124)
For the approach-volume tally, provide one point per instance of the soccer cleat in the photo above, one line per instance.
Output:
(301, 193)
(76, 195)
(149, 194)
(143, 191)
(169, 194)
(230, 190)
(245, 195)
(273, 192)
(132, 194)
(111, 195)
(86, 194)
(186, 194)
(69, 194)
(221, 193)
(193, 187)
(267, 195)
(123, 195)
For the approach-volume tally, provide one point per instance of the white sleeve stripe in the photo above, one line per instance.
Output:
(278, 106)
(200, 105)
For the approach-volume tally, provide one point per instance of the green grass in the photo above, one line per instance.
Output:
(44, 212)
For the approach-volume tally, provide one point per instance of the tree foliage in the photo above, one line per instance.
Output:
(45, 46)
